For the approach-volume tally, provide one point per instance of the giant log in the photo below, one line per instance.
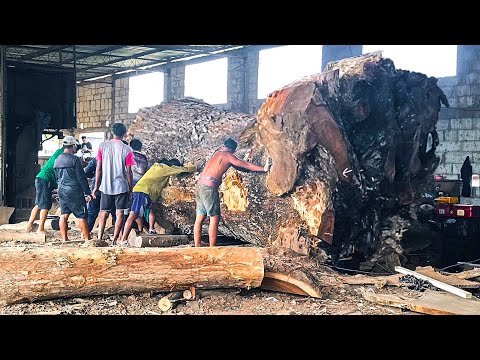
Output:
(352, 149)
(49, 273)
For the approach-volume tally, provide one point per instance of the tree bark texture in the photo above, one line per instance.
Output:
(352, 149)
(49, 273)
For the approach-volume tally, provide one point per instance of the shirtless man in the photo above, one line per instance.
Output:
(206, 191)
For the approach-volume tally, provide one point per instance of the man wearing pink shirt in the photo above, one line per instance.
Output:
(114, 178)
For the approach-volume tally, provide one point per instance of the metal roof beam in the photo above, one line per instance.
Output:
(43, 52)
(138, 55)
(163, 64)
(98, 52)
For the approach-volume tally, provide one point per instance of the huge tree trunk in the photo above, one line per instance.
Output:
(351, 149)
(48, 273)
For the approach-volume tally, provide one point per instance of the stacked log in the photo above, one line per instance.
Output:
(352, 148)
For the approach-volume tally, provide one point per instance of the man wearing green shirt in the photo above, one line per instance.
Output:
(45, 182)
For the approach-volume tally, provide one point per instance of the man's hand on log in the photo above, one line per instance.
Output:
(268, 165)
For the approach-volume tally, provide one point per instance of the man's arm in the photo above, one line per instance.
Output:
(90, 169)
(82, 177)
(98, 172)
(175, 170)
(244, 165)
(98, 176)
(129, 177)
(129, 161)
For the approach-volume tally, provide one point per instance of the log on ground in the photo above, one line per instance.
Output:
(169, 301)
(30, 237)
(159, 241)
(49, 273)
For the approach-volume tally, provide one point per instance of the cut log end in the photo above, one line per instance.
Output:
(190, 294)
(168, 302)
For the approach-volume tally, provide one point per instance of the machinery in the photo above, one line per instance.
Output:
(456, 218)
(39, 100)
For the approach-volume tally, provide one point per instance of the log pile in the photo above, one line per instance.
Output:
(352, 148)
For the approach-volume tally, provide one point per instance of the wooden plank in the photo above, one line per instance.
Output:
(159, 241)
(378, 281)
(452, 289)
(450, 280)
(431, 302)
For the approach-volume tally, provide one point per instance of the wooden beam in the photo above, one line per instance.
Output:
(452, 289)
(431, 302)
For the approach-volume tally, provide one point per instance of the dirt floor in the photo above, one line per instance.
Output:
(346, 300)
(211, 302)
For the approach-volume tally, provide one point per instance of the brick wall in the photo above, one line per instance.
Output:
(459, 126)
(94, 106)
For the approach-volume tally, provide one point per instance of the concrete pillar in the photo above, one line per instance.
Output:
(236, 82)
(177, 82)
(167, 85)
(338, 52)
(2, 127)
(467, 58)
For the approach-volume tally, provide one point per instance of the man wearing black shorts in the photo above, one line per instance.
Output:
(73, 190)
(114, 179)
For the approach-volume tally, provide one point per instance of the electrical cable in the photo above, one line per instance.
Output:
(447, 267)
(356, 271)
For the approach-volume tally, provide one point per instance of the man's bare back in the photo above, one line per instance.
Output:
(219, 164)
(206, 192)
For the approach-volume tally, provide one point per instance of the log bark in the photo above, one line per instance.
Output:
(351, 148)
(49, 273)
(33, 237)
(159, 241)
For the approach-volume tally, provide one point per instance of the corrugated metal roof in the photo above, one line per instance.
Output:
(94, 61)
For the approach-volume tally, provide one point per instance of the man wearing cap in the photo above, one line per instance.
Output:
(73, 189)
(45, 182)
(114, 179)
(206, 190)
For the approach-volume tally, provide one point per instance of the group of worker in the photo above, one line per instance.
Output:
(123, 184)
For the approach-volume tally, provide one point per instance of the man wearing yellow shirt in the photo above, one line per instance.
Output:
(148, 190)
